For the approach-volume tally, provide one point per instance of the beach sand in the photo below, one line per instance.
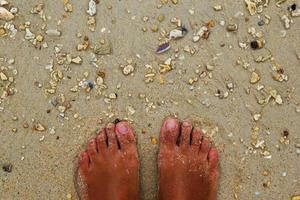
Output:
(209, 82)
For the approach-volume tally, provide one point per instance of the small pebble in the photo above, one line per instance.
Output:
(7, 168)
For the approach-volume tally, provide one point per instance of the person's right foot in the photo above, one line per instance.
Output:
(188, 165)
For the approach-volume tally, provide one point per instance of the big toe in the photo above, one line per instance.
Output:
(169, 131)
(125, 136)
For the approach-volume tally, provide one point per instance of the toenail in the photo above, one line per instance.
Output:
(122, 128)
(92, 142)
(171, 124)
(186, 124)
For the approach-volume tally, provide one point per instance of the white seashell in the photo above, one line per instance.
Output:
(92, 8)
(5, 14)
(296, 13)
(3, 3)
(175, 34)
(29, 35)
(53, 32)
(251, 7)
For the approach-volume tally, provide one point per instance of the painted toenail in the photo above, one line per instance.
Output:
(92, 142)
(122, 128)
(186, 124)
(171, 124)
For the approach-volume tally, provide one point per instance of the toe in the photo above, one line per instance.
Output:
(101, 141)
(169, 131)
(84, 163)
(186, 129)
(92, 150)
(204, 149)
(125, 135)
(213, 158)
(196, 139)
(111, 137)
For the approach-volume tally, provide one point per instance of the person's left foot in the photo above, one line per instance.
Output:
(108, 169)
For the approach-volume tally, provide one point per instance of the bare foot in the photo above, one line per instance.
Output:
(108, 169)
(187, 163)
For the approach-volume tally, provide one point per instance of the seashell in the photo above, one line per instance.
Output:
(178, 33)
(257, 44)
(5, 14)
(92, 10)
(3, 3)
(251, 7)
(254, 78)
(53, 32)
(163, 48)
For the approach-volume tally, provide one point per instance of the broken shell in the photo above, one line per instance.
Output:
(3, 3)
(29, 35)
(296, 13)
(257, 44)
(256, 117)
(5, 14)
(2, 32)
(92, 10)
(278, 99)
(287, 21)
(77, 60)
(104, 47)
(163, 48)
(232, 27)
(53, 32)
(210, 67)
(174, 2)
(251, 6)
(218, 8)
(3, 77)
(14, 10)
(39, 127)
(130, 110)
(99, 80)
(202, 33)
(112, 95)
(128, 69)
(196, 38)
(254, 78)
(153, 140)
(178, 33)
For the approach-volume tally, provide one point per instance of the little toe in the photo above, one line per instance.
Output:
(169, 131)
(213, 158)
(125, 136)
(186, 130)
(205, 146)
(196, 139)
(101, 141)
(92, 150)
(84, 163)
(111, 135)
